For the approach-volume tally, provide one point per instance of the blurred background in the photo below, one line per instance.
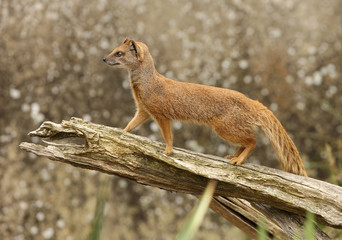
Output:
(286, 54)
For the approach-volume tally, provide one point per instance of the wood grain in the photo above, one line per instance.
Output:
(244, 194)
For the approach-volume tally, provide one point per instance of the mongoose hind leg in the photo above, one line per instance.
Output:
(244, 154)
(242, 134)
(236, 154)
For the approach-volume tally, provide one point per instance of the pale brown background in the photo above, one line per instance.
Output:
(287, 54)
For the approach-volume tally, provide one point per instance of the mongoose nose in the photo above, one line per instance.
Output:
(104, 59)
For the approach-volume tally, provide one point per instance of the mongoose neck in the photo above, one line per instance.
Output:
(146, 71)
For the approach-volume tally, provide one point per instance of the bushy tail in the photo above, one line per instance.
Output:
(287, 152)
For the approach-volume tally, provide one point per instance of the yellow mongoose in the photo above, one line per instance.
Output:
(229, 113)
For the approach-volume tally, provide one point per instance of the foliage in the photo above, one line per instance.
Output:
(195, 218)
(102, 196)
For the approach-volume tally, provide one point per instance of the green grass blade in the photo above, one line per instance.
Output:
(309, 226)
(102, 196)
(196, 216)
(262, 233)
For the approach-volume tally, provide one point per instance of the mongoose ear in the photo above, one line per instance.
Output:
(126, 40)
(137, 50)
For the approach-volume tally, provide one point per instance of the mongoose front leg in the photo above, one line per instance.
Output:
(164, 125)
(139, 118)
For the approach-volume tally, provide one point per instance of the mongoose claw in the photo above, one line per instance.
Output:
(164, 152)
(168, 150)
(236, 161)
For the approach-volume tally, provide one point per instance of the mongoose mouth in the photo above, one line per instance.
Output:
(110, 63)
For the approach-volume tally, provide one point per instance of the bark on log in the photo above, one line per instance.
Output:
(244, 194)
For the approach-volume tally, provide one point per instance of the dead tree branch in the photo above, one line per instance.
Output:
(244, 194)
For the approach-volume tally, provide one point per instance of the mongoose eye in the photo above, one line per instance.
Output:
(119, 54)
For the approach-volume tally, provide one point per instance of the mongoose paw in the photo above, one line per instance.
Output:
(165, 152)
(236, 161)
(229, 156)
(168, 150)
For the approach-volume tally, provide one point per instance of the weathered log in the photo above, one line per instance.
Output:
(271, 194)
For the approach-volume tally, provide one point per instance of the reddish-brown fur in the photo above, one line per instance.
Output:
(229, 113)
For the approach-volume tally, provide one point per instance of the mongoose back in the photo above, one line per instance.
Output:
(229, 113)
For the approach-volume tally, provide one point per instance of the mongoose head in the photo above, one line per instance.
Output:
(129, 55)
